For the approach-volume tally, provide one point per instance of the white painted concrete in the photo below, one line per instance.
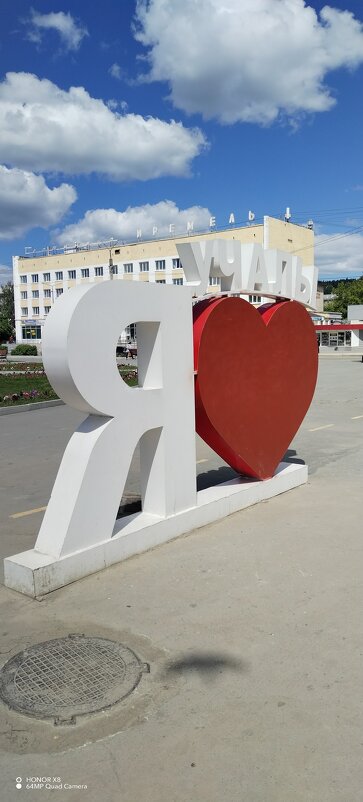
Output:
(78, 536)
(82, 368)
(36, 574)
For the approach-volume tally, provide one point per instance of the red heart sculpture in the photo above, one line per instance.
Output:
(256, 371)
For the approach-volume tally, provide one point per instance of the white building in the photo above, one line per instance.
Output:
(41, 277)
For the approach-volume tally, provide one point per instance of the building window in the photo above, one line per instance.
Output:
(160, 264)
(177, 280)
(31, 332)
(24, 310)
(35, 278)
(114, 269)
(72, 274)
(23, 295)
(85, 272)
(47, 310)
(23, 279)
(160, 281)
(46, 276)
(35, 310)
(131, 332)
(59, 275)
(129, 268)
(144, 267)
(254, 299)
(47, 293)
(176, 264)
(98, 271)
(35, 294)
(214, 281)
(59, 292)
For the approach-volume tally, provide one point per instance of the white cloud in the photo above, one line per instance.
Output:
(6, 274)
(26, 202)
(44, 128)
(341, 257)
(99, 225)
(71, 32)
(115, 71)
(247, 60)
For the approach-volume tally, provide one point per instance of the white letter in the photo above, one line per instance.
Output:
(308, 285)
(279, 266)
(231, 218)
(155, 230)
(190, 225)
(81, 366)
(212, 222)
(197, 260)
(257, 280)
(227, 264)
(171, 228)
(138, 233)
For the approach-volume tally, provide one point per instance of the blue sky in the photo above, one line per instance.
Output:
(122, 115)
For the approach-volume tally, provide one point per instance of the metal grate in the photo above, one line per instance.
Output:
(70, 676)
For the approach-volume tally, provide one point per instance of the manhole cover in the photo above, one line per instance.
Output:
(70, 676)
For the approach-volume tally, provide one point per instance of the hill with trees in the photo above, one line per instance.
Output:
(347, 291)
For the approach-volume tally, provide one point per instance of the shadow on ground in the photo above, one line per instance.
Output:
(131, 504)
(215, 477)
(225, 473)
(291, 456)
(207, 664)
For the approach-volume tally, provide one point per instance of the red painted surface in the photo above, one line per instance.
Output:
(256, 372)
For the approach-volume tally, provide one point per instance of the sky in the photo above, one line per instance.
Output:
(126, 115)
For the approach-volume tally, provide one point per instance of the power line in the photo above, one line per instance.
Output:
(304, 213)
(330, 239)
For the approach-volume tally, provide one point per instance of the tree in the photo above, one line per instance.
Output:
(7, 312)
(346, 293)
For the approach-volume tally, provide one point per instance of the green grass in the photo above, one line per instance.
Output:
(16, 384)
(20, 383)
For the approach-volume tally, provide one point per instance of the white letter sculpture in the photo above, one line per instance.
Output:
(79, 533)
(79, 357)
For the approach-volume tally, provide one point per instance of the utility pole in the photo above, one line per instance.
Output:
(110, 265)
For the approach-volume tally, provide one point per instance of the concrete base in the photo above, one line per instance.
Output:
(36, 574)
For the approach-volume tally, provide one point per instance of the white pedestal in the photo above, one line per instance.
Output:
(36, 574)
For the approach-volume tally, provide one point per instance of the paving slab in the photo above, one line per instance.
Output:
(251, 627)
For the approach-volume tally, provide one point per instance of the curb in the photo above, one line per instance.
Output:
(32, 360)
(56, 402)
(342, 354)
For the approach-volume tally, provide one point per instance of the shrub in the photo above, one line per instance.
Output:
(25, 350)
(4, 348)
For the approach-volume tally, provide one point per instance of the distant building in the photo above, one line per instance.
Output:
(40, 278)
(319, 299)
(333, 334)
(355, 313)
(329, 297)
